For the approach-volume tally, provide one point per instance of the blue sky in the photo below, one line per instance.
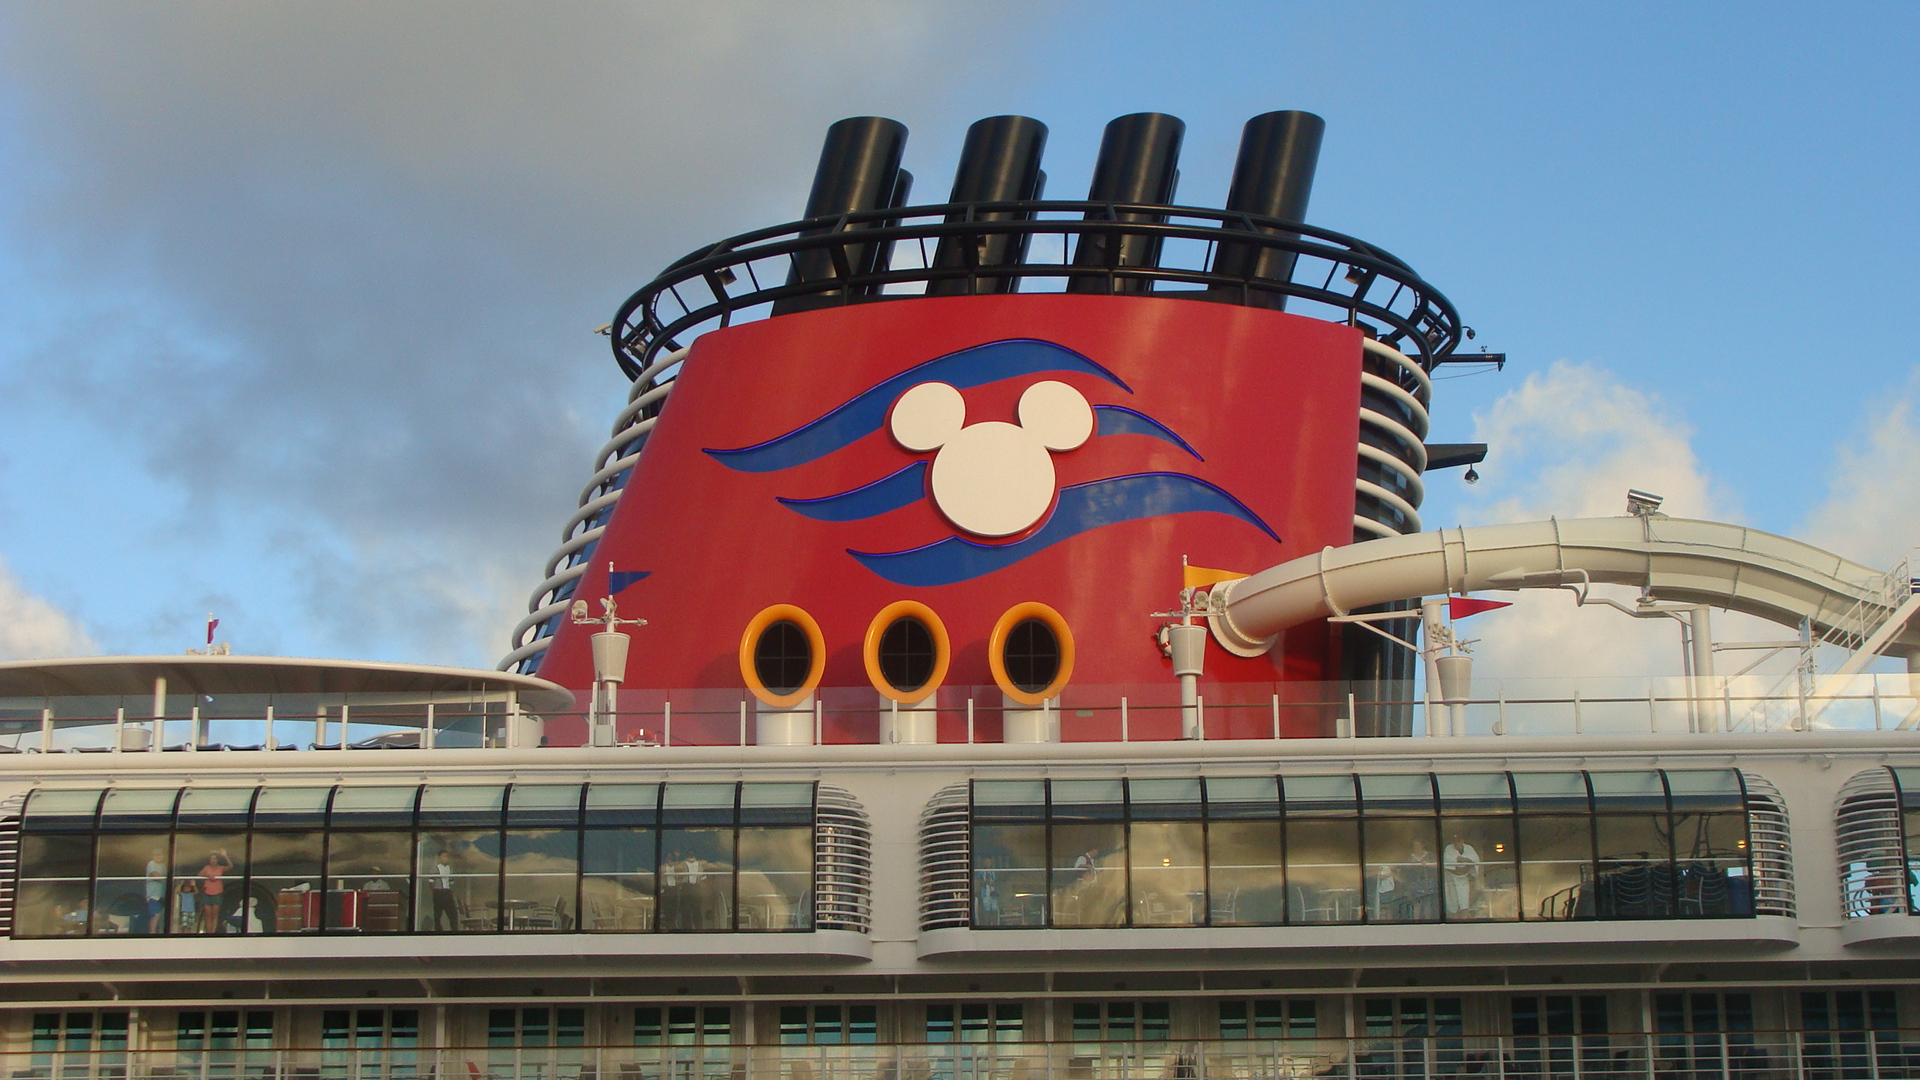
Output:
(297, 300)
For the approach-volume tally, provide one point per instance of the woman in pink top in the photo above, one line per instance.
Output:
(211, 889)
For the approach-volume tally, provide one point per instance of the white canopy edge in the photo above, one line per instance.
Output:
(1677, 559)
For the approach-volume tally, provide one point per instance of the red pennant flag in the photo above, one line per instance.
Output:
(1459, 607)
(211, 623)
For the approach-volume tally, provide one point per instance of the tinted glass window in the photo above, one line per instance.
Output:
(1032, 656)
(782, 657)
(906, 654)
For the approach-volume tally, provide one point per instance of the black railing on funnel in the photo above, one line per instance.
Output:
(1341, 278)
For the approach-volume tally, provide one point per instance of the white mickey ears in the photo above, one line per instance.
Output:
(1056, 414)
(928, 416)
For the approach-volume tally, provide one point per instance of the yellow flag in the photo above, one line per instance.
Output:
(1195, 577)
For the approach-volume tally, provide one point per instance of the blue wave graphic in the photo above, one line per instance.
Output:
(909, 485)
(864, 414)
(1120, 420)
(1081, 508)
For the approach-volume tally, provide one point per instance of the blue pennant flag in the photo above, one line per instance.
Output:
(618, 580)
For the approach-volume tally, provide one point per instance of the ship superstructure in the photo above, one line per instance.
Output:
(999, 642)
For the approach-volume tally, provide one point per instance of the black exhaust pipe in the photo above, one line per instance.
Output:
(999, 163)
(1273, 177)
(859, 170)
(1139, 163)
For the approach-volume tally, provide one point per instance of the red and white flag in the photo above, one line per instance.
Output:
(211, 623)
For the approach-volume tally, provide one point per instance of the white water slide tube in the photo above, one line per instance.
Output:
(1696, 562)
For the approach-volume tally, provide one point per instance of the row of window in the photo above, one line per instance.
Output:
(907, 652)
(442, 858)
(1698, 1013)
(1264, 851)
(734, 857)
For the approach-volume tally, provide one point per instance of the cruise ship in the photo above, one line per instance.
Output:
(1000, 642)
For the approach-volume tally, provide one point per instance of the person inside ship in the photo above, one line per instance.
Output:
(187, 903)
(212, 891)
(701, 904)
(1385, 888)
(73, 921)
(1420, 900)
(156, 890)
(446, 914)
(672, 893)
(1460, 869)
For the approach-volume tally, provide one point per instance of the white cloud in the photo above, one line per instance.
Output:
(361, 248)
(1872, 510)
(31, 628)
(1584, 438)
(1569, 442)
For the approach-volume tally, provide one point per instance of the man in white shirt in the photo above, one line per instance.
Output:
(1461, 864)
(445, 912)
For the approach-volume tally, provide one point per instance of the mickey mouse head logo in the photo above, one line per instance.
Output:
(992, 478)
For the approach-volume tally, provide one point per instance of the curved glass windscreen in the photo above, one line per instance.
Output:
(438, 858)
(1344, 848)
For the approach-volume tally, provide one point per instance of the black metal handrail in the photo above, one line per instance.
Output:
(1352, 280)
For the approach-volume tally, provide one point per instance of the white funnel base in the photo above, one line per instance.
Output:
(790, 725)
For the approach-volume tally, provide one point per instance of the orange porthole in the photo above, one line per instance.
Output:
(782, 655)
(1031, 653)
(907, 651)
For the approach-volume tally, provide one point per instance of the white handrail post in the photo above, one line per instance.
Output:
(666, 721)
(969, 719)
(1200, 715)
(1126, 734)
(46, 730)
(344, 714)
(120, 727)
(274, 744)
(743, 721)
(1276, 717)
(426, 733)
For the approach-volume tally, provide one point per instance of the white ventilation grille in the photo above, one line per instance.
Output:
(9, 857)
(612, 467)
(842, 863)
(946, 898)
(1872, 867)
(1772, 852)
(1394, 451)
